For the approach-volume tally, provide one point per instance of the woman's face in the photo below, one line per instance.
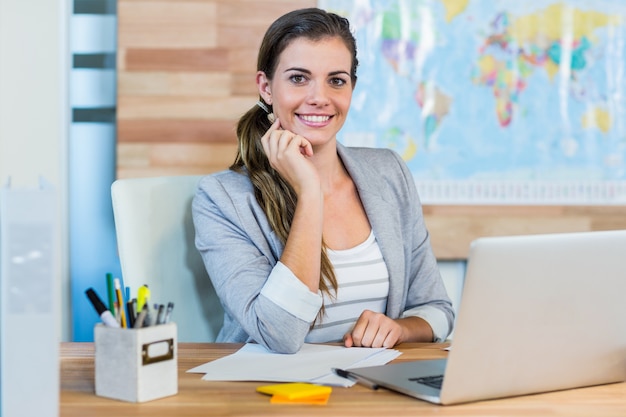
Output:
(311, 88)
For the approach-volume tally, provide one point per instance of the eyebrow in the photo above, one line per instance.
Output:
(306, 71)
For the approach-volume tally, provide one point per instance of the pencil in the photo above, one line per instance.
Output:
(120, 302)
(111, 293)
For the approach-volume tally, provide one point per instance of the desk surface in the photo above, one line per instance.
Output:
(203, 398)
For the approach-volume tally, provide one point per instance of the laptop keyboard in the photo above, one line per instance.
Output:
(434, 381)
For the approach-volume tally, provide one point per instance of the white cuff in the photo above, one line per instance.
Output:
(434, 317)
(285, 290)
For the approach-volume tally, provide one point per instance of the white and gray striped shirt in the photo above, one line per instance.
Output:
(363, 284)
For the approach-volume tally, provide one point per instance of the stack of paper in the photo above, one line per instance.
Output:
(313, 363)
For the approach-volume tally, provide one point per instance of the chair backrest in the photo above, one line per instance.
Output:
(155, 238)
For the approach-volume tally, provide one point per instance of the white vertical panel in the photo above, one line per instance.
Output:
(93, 33)
(29, 316)
(34, 112)
(93, 88)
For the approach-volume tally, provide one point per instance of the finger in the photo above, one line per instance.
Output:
(285, 141)
(358, 331)
(369, 336)
(306, 149)
(275, 142)
(392, 339)
(266, 137)
(347, 340)
(275, 125)
(379, 338)
(302, 144)
(375, 329)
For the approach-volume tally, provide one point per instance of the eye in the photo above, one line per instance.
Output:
(297, 78)
(338, 82)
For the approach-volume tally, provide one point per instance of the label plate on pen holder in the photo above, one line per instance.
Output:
(136, 365)
(158, 351)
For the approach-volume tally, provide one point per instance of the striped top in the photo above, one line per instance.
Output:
(363, 284)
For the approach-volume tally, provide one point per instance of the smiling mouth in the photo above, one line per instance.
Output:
(314, 119)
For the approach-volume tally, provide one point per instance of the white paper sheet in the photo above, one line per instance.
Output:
(313, 363)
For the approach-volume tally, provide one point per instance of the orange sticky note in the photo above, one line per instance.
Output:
(278, 399)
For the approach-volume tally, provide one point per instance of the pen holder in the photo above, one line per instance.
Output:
(136, 365)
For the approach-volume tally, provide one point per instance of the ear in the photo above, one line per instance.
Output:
(263, 85)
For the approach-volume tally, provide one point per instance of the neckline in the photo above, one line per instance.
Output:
(367, 242)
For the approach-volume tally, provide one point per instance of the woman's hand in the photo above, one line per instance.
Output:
(373, 330)
(377, 330)
(289, 154)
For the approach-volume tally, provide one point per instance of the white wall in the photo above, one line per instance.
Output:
(34, 110)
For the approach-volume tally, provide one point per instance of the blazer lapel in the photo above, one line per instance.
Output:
(379, 207)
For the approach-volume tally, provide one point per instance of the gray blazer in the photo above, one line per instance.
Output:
(240, 250)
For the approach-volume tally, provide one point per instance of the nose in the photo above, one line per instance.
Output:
(319, 94)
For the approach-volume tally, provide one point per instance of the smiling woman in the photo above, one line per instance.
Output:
(304, 239)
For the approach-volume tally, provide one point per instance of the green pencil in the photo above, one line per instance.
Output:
(111, 293)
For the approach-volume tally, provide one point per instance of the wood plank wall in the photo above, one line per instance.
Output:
(185, 75)
(186, 71)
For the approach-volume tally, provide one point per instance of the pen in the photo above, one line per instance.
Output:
(160, 314)
(120, 301)
(356, 378)
(116, 313)
(148, 317)
(130, 310)
(168, 312)
(105, 315)
(140, 318)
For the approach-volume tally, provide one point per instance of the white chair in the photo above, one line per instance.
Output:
(155, 238)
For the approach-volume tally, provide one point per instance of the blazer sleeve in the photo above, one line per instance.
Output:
(264, 301)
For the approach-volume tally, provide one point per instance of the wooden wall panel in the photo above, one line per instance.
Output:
(452, 228)
(156, 159)
(186, 71)
(167, 24)
(185, 75)
(181, 84)
(177, 60)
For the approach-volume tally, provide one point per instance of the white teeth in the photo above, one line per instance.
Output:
(315, 119)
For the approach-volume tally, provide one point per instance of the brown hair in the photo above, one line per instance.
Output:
(273, 193)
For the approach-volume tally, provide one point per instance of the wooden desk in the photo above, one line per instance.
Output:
(203, 398)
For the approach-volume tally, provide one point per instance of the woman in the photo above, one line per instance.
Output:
(306, 240)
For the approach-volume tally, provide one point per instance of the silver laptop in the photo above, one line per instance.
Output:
(538, 313)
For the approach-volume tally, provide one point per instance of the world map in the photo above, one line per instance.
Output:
(498, 98)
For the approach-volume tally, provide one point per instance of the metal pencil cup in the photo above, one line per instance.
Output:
(136, 365)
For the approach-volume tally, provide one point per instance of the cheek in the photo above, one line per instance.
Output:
(344, 102)
(283, 100)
